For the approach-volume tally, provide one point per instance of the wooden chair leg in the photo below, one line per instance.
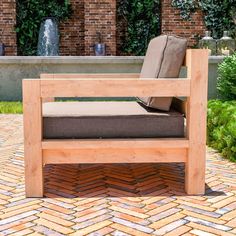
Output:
(33, 138)
(197, 66)
(33, 172)
(195, 171)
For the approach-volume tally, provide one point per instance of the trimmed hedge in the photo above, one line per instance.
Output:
(226, 82)
(221, 127)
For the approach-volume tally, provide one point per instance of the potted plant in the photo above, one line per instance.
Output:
(99, 47)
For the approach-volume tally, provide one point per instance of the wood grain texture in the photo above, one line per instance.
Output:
(92, 76)
(115, 87)
(115, 143)
(114, 155)
(197, 63)
(32, 138)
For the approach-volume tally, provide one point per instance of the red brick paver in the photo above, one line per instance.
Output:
(119, 200)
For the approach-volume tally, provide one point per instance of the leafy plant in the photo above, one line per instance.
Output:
(186, 7)
(217, 13)
(142, 18)
(226, 82)
(30, 14)
(221, 127)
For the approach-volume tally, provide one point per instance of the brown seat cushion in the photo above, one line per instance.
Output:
(164, 58)
(108, 120)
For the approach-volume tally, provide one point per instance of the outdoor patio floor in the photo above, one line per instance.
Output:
(133, 199)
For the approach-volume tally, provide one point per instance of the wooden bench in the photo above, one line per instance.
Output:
(189, 150)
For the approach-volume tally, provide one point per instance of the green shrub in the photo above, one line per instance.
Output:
(29, 16)
(142, 18)
(226, 83)
(221, 127)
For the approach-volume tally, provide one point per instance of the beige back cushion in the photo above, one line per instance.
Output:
(164, 58)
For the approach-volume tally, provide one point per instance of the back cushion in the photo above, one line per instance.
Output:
(164, 58)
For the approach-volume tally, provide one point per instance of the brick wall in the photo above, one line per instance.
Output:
(100, 16)
(78, 34)
(7, 24)
(172, 23)
(72, 31)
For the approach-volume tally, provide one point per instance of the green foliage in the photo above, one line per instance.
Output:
(30, 14)
(143, 23)
(221, 127)
(226, 82)
(11, 108)
(186, 7)
(217, 13)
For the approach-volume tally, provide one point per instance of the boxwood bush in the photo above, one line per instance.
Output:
(221, 127)
(226, 83)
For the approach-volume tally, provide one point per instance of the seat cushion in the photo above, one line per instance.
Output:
(164, 58)
(65, 120)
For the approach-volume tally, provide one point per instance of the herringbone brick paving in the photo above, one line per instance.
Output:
(119, 200)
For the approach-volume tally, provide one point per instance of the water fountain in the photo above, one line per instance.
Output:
(48, 41)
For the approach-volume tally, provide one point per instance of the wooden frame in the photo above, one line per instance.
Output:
(190, 150)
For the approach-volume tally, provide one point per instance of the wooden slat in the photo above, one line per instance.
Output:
(115, 143)
(114, 155)
(115, 87)
(92, 76)
(197, 63)
(32, 139)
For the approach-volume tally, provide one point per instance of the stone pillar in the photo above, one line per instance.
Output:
(172, 23)
(100, 16)
(7, 26)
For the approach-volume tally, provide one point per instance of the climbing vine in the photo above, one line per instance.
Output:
(218, 14)
(142, 20)
(29, 16)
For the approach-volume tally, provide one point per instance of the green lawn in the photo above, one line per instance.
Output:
(11, 108)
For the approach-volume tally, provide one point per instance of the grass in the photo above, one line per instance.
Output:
(11, 108)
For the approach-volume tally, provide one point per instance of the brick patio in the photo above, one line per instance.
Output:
(138, 199)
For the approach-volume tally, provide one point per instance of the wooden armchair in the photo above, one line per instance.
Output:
(189, 149)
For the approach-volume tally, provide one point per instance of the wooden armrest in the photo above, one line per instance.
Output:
(84, 87)
(86, 76)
